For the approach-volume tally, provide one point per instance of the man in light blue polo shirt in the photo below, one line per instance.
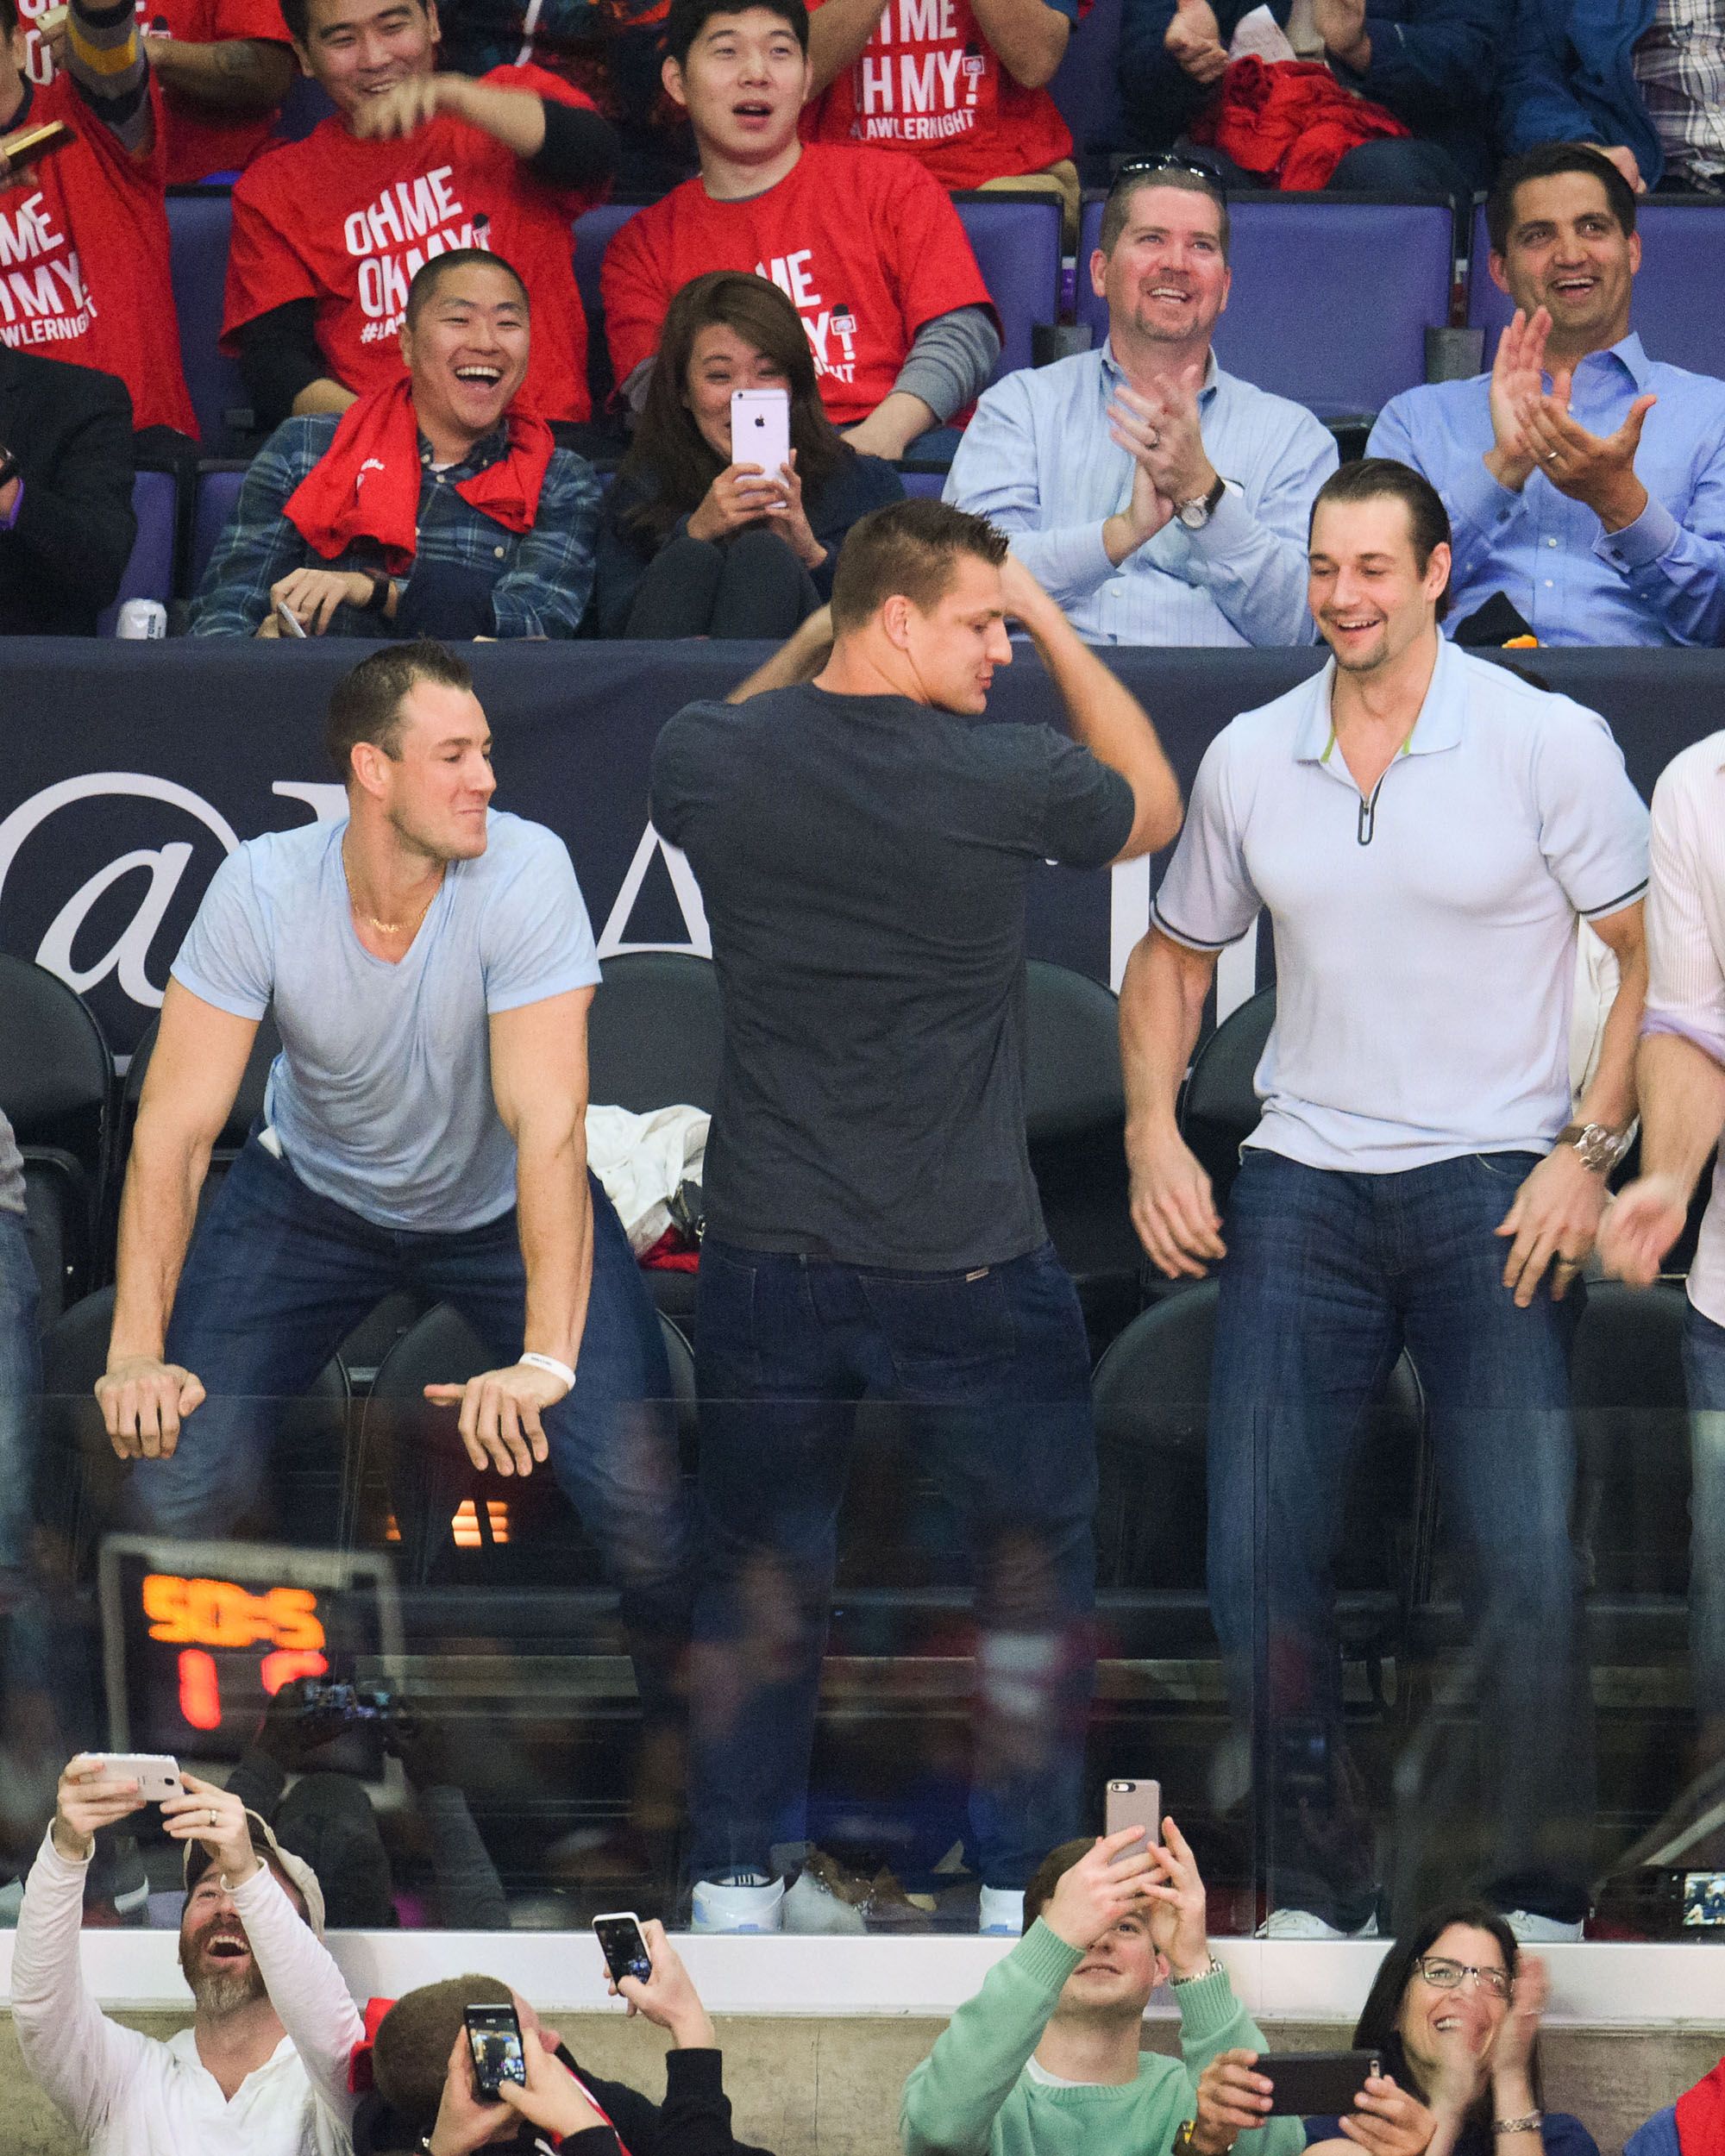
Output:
(1583, 480)
(1158, 499)
(429, 964)
(1425, 831)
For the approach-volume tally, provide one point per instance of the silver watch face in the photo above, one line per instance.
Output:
(1194, 515)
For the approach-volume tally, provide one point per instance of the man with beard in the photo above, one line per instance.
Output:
(1424, 830)
(264, 2064)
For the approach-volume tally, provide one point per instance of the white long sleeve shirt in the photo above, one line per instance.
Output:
(126, 2094)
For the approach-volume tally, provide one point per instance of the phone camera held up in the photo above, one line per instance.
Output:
(494, 2039)
(353, 1702)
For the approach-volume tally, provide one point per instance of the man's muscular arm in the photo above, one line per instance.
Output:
(539, 1079)
(194, 1075)
(231, 74)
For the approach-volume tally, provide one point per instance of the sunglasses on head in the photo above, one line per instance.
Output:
(1141, 167)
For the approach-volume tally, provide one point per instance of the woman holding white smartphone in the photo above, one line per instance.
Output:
(727, 514)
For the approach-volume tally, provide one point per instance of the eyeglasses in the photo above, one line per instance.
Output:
(1446, 1975)
(1138, 167)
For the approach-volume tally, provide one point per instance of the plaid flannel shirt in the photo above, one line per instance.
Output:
(544, 577)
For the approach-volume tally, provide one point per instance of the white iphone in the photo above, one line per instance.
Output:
(289, 620)
(761, 428)
(156, 1773)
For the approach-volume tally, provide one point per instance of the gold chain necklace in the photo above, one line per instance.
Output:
(371, 920)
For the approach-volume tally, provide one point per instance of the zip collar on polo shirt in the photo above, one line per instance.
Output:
(1438, 725)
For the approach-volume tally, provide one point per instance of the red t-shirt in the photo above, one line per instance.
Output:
(866, 249)
(200, 141)
(346, 222)
(928, 82)
(83, 261)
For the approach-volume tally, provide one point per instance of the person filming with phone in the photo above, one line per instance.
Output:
(1045, 2059)
(701, 537)
(437, 506)
(264, 2062)
(467, 2064)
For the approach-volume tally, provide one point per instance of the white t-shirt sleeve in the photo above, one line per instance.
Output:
(537, 941)
(1593, 824)
(1685, 978)
(1207, 899)
(226, 959)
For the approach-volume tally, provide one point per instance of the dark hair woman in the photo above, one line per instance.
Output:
(694, 545)
(1454, 2012)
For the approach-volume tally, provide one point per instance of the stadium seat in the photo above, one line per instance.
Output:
(1676, 313)
(653, 1037)
(149, 568)
(1292, 324)
(198, 222)
(217, 498)
(1086, 87)
(1219, 1109)
(410, 1452)
(924, 483)
(80, 1485)
(1016, 240)
(56, 1081)
(1152, 1391)
(594, 231)
(306, 105)
(1074, 1121)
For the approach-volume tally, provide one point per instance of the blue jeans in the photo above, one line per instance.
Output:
(993, 1369)
(20, 1381)
(1703, 1370)
(1328, 1275)
(277, 1275)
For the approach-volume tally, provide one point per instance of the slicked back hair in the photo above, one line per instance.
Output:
(367, 703)
(1544, 162)
(1374, 479)
(688, 18)
(910, 550)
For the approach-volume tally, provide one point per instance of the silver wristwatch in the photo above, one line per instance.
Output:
(1595, 1145)
(1196, 513)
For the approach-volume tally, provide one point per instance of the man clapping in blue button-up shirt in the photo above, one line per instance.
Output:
(1159, 500)
(1583, 480)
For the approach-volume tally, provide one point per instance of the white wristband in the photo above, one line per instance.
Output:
(549, 1363)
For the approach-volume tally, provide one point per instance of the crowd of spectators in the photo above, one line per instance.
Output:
(402, 304)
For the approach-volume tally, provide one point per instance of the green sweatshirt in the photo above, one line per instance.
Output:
(971, 2094)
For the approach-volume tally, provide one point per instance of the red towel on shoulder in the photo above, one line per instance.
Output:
(1290, 120)
(1700, 2116)
(366, 486)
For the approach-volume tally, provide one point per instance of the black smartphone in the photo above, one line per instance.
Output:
(621, 1942)
(1317, 2084)
(494, 2037)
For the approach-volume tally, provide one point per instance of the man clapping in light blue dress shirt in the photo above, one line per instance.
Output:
(1159, 500)
(1583, 480)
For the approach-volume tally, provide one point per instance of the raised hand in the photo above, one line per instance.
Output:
(1102, 1887)
(1598, 470)
(1194, 41)
(89, 1796)
(1517, 381)
(1179, 1919)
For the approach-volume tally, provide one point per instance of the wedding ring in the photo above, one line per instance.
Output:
(212, 1814)
(1550, 456)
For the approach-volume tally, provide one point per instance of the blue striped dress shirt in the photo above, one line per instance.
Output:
(1039, 460)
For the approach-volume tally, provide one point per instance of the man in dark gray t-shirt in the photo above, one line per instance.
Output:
(873, 1228)
(20, 1364)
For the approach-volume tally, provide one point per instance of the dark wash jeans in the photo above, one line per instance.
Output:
(994, 1370)
(21, 1383)
(1327, 1276)
(277, 1275)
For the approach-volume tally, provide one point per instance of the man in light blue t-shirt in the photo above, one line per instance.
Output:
(430, 966)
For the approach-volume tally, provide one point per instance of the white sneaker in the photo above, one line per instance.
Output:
(812, 1907)
(747, 1901)
(1001, 1913)
(1533, 1930)
(1303, 1924)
